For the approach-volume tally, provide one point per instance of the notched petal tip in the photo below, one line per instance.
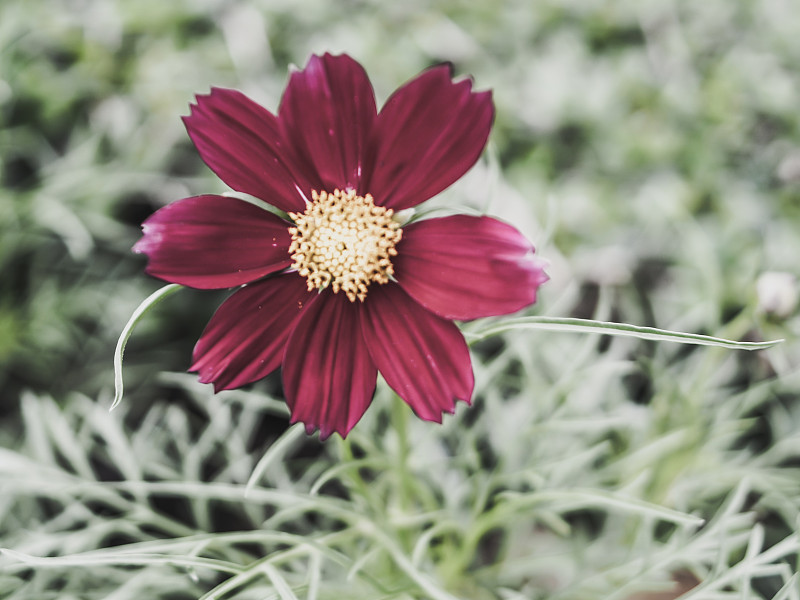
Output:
(326, 115)
(148, 242)
(422, 357)
(208, 378)
(445, 67)
(464, 267)
(324, 431)
(203, 104)
(537, 267)
(240, 141)
(246, 338)
(214, 242)
(328, 375)
(429, 133)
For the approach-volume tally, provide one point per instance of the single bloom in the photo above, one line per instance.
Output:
(331, 286)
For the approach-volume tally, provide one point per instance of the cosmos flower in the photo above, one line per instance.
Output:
(331, 286)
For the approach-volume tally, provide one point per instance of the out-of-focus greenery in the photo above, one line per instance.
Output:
(650, 149)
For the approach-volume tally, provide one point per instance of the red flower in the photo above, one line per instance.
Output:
(341, 292)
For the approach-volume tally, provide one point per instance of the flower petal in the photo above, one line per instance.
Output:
(464, 267)
(241, 142)
(213, 242)
(422, 357)
(328, 375)
(246, 338)
(327, 112)
(427, 135)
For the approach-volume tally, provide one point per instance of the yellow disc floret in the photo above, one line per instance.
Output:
(345, 242)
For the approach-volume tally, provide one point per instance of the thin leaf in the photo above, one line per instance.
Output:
(120, 559)
(289, 437)
(608, 328)
(569, 500)
(281, 585)
(137, 315)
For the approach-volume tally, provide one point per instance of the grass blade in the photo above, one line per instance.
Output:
(572, 325)
(137, 315)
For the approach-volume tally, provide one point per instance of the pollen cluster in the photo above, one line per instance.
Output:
(345, 242)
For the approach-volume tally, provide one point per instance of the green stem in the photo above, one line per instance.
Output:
(137, 315)
(400, 421)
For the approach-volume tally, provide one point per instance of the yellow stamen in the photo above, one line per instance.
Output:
(344, 241)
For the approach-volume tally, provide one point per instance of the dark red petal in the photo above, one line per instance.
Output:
(429, 133)
(213, 242)
(246, 338)
(240, 141)
(327, 112)
(464, 267)
(328, 375)
(424, 358)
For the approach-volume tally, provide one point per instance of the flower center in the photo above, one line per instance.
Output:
(344, 241)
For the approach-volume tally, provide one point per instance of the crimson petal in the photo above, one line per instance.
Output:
(246, 338)
(213, 242)
(464, 267)
(427, 135)
(422, 357)
(328, 375)
(241, 142)
(327, 112)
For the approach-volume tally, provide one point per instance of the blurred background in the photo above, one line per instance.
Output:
(652, 144)
(649, 148)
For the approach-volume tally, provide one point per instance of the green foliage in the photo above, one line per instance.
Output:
(649, 149)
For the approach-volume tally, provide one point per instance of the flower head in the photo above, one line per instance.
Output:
(339, 290)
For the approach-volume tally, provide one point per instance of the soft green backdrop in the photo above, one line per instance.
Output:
(651, 151)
